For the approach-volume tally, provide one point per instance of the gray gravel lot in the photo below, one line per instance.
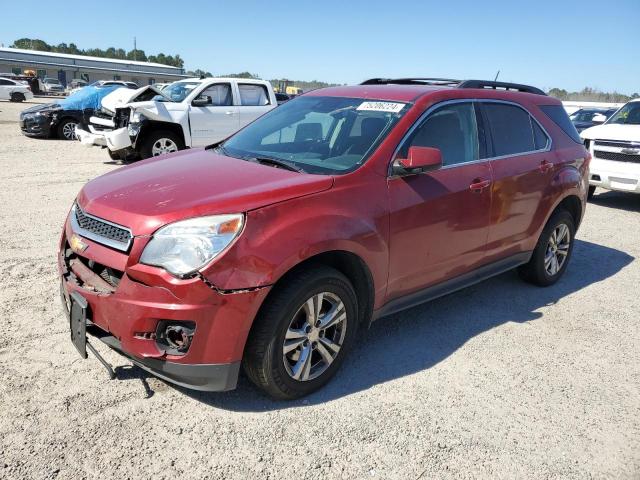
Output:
(502, 380)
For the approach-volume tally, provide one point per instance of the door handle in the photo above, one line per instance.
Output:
(478, 185)
(545, 166)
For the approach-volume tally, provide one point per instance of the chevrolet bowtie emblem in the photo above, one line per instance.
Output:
(630, 151)
(76, 244)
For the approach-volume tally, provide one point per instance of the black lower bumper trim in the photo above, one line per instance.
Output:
(211, 377)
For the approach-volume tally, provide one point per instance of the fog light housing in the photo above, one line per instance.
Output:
(173, 337)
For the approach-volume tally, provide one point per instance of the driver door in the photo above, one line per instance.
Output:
(217, 119)
(439, 220)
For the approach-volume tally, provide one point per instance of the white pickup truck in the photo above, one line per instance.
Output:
(615, 147)
(189, 113)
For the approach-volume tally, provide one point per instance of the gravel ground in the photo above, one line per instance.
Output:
(501, 380)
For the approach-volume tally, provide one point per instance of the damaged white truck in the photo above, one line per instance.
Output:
(189, 113)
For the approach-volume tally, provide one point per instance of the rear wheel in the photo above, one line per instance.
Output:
(67, 129)
(302, 334)
(592, 190)
(17, 97)
(159, 143)
(553, 251)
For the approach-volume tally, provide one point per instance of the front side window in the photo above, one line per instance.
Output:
(253, 95)
(452, 129)
(331, 135)
(219, 94)
(627, 115)
(178, 91)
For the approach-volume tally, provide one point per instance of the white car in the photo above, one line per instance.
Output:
(52, 86)
(615, 148)
(188, 113)
(14, 91)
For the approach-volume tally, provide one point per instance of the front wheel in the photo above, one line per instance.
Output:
(302, 333)
(17, 97)
(67, 129)
(553, 251)
(160, 143)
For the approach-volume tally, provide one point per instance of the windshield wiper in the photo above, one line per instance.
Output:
(276, 162)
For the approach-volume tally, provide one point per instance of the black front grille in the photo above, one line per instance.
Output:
(618, 157)
(101, 228)
(616, 143)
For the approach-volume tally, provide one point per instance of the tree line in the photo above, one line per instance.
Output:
(589, 94)
(111, 52)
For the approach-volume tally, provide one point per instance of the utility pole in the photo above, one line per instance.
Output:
(135, 50)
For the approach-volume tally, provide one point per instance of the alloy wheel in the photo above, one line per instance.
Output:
(162, 146)
(314, 337)
(69, 130)
(557, 249)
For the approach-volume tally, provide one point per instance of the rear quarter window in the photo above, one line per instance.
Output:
(559, 116)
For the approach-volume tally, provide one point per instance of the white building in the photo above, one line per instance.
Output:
(66, 67)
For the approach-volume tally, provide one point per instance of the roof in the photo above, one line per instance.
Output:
(85, 57)
(398, 93)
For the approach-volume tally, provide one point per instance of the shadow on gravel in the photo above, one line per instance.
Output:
(417, 339)
(620, 200)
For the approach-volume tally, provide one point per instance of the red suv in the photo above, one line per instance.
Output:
(275, 248)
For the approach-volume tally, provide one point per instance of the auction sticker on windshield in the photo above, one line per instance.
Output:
(381, 106)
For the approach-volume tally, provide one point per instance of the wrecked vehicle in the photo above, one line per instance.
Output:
(60, 119)
(189, 113)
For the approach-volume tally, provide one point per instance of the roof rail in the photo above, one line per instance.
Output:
(455, 83)
(411, 81)
(502, 85)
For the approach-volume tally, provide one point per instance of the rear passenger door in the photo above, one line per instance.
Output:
(5, 88)
(439, 220)
(254, 102)
(522, 168)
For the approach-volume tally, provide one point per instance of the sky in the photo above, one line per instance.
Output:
(563, 43)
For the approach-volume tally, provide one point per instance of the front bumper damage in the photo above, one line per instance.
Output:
(129, 303)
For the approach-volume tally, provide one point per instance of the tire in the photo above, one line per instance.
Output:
(66, 129)
(17, 97)
(286, 312)
(592, 190)
(113, 155)
(544, 273)
(154, 139)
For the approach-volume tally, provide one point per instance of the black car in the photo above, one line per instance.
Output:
(583, 118)
(59, 119)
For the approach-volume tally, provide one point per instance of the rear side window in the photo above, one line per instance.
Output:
(559, 116)
(511, 129)
(253, 95)
(539, 137)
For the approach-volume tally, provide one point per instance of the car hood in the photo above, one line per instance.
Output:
(124, 96)
(613, 131)
(42, 107)
(158, 191)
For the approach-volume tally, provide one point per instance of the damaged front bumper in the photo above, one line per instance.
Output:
(114, 140)
(130, 306)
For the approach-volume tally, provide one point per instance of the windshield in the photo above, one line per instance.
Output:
(52, 80)
(178, 91)
(318, 134)
(628, 115)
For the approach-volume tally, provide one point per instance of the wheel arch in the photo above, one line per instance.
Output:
(150, 126)
(351, 266)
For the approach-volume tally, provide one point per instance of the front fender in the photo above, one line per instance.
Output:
(279, 237)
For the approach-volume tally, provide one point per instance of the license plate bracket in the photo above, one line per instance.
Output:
(78, 322)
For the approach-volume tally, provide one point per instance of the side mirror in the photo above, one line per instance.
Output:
(599, 118)
(419, 160)
(202, 101)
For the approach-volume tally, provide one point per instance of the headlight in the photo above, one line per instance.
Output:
(184, 247)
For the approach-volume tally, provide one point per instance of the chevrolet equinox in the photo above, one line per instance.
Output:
(273, 249)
